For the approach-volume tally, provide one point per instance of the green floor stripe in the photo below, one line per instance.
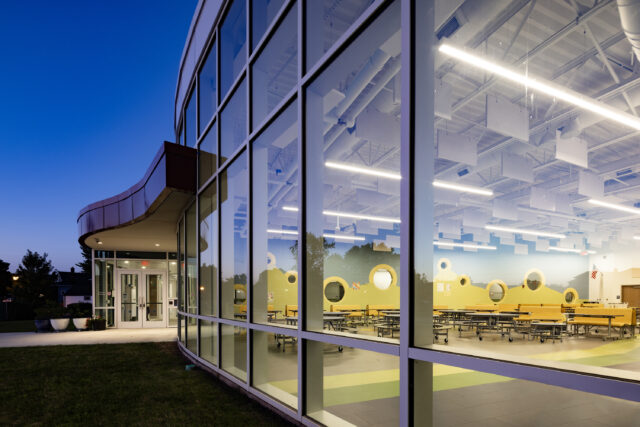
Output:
(361, 393)
(467, 379)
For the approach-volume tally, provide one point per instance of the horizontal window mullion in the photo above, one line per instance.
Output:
(608, 385)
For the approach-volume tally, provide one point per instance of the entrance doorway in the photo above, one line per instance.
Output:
(631, 295)
(141, 297)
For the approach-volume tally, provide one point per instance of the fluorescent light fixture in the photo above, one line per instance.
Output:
(157, 244)
(525, 231)
(359, 216)
(350, 215)
(363, 170)
(462, 188)
(615, 206)
(463, 245)
(327, 235)
(569, 250)
(636, 237)
(543, 86)
(291, 232)
(343, 237)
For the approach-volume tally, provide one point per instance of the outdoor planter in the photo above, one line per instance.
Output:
(59, 324)
(99, 324)
(81, 323)
(42, 325)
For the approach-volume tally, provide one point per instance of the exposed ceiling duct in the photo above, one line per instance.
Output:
(630, 20)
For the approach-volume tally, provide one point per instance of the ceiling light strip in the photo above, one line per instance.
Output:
(363, 170)
(525, 231)
(463, 245)
(350, 215)
(615, 206)
(462, 188)
(326, 235)
(570, 250)
(548, 88)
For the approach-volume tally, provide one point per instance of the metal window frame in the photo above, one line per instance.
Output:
(579, 378)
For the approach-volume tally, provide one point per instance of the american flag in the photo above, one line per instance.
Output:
(594, 273)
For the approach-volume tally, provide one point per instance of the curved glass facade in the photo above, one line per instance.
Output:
(317, 260)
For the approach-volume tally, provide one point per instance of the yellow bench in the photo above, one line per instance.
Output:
(481, 307)
(507, 307)
(374, 309)
(542, 314)
(625, 318)
(437, 308)
(290, 310)
(355, 310)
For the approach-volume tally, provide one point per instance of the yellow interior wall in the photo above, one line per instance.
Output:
(453, 295)
(285, 293)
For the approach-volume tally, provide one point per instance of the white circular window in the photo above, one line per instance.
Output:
(382, 279)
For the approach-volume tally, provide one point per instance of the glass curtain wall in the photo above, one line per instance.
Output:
(104, 296)
(347, 151)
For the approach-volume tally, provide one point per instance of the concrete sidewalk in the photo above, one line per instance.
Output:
(110, 336)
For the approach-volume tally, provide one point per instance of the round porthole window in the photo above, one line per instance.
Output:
(383, 276)
(534, 279)
(271, 261)
(239, 294)
(334, 291)
(497, 290)
(464, 280)
(570, 296)
(382, 279)
(444, 264)
(291, 277)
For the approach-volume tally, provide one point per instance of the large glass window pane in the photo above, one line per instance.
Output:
(103, 280)
(207, 89)
(233, 233)
(209, 341)
(353, 183)
(462, 396)
(275, 220)
(275, 72)
(192, 260)
(192, 334)
(327, 20)
(182, 329)
(207, 159)
(208, 250)
(233, 130)
(525, 253)
(233, 46)
(275, 366)
(351, 385)
(108, 314)
(234, 351)
(263, 13)
(190, 122)
(173, 292)
(181, 271)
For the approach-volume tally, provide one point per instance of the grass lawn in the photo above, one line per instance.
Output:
(17, 326)
(117, 384)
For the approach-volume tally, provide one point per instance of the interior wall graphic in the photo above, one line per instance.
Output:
(464, 278)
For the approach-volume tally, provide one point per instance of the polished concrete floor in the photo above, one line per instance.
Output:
(362, 387)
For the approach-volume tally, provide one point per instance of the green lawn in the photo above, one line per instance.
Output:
(117, 384)
(17, 326)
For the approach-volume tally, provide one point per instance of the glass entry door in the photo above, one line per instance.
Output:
(142, 297)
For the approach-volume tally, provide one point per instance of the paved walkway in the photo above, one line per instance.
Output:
(110, 336)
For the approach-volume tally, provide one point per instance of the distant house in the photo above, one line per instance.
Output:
(73, 287)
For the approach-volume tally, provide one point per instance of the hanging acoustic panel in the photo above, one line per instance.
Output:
(590, 184)
(516, 167)
(572, 150)
(507, 118)
(457, 148)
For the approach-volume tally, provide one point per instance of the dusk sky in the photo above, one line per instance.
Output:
(86, 99)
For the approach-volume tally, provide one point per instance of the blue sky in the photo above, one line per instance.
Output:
(86, 98)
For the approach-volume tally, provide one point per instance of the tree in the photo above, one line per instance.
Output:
(85, 264)
(5, 278)
(36, 276)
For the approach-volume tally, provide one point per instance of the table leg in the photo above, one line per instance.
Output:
(609, 332)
